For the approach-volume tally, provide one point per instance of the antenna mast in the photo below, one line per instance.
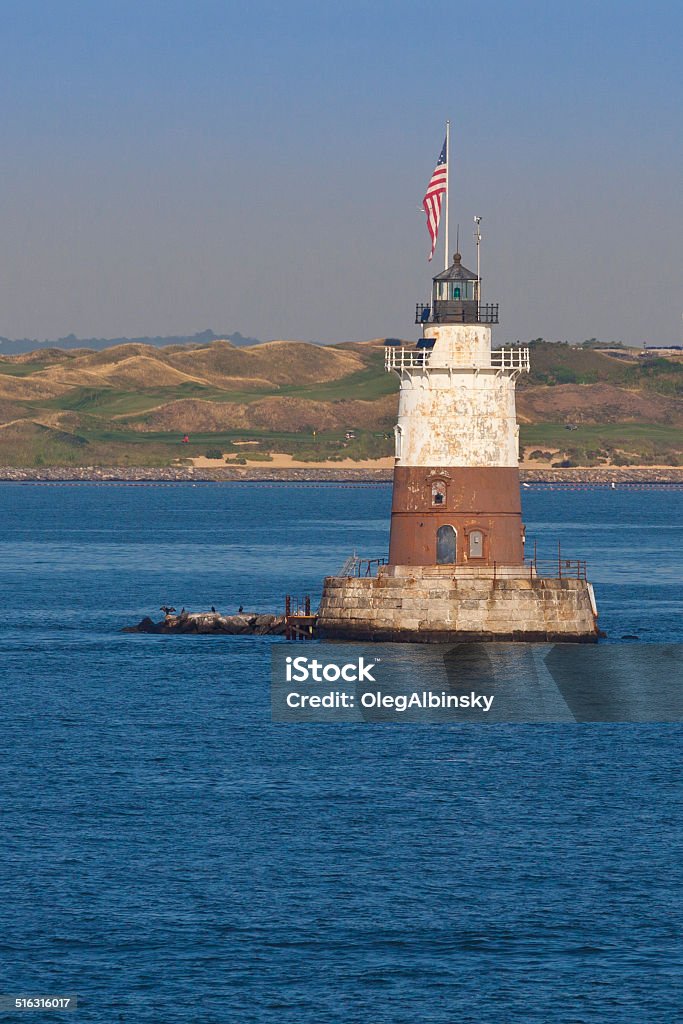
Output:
(477, 239)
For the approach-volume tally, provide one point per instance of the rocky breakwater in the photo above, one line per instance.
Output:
(186, 474)
(604, 475)
(244, 623)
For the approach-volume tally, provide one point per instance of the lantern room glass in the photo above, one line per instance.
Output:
(455, 291)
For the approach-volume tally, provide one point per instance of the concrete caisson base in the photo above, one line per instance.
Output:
(420, 607)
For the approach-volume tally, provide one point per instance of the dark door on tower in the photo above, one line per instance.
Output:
(445, 545)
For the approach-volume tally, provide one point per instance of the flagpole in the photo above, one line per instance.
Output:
(448, 171)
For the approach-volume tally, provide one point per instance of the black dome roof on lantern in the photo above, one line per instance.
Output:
(456, 271)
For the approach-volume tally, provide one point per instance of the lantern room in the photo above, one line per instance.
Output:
(456, 299)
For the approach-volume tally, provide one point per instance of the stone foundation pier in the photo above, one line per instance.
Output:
(443, 604)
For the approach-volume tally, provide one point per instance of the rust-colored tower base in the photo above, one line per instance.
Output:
(480, 505)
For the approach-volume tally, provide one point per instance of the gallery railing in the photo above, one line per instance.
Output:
(515, 359)
(466, 312)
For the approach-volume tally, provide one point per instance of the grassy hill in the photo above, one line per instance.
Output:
(131, 404)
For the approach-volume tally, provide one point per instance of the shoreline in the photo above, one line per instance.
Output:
(132, 474)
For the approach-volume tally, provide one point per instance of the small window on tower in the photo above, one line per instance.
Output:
(476, 544)
(398, 436)
(438, 493)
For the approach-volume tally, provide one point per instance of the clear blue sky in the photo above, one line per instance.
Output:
(170, 166)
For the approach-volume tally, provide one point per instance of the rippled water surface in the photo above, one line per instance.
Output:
(171, 855)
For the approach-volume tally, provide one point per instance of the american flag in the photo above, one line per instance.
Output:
(433, 197)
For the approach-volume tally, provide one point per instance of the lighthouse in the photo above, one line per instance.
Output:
(457, 569)
(456, 494)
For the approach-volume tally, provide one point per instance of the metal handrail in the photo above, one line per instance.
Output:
(562, 568)
(549, 569)
(354, 566)
(405, 359)
(486, 313)
(349, 566)
(514, 358)
(557, 568)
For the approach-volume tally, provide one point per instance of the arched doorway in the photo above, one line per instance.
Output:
(445, 545)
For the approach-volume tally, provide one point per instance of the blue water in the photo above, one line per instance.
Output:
(171, 855)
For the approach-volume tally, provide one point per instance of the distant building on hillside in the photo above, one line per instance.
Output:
(621, 352)
(661, 351)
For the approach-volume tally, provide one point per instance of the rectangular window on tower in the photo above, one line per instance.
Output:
(476, 544)
(439, 493)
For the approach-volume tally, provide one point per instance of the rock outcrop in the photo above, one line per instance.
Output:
(212, 622)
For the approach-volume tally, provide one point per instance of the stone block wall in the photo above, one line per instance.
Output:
(443, 609)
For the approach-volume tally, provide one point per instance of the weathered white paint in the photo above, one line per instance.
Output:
(457, 410)
(459, 344)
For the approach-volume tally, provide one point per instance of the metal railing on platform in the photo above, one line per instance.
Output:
(566, 568)
(405, 359)
(537, 568)
(467, 312)
(557, 568)
(515, 359)
(355, 566)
